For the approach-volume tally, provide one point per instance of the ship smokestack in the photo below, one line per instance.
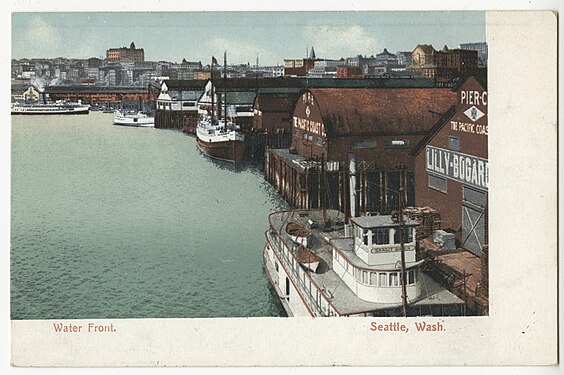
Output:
(352, 181)
(40, 86)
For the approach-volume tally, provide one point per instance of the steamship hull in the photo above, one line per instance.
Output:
(46, 108)
(228, 150)
(82, 110)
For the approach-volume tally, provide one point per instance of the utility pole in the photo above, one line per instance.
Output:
(402, 247)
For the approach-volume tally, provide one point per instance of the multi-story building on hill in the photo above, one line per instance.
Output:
(126, 54)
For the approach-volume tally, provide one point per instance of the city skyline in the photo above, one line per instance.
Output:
(274, 36)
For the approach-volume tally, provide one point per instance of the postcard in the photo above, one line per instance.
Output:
(283, 188)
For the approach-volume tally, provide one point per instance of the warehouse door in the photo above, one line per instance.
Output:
(473, 220)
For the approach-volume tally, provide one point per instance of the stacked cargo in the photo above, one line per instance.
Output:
(429, 220)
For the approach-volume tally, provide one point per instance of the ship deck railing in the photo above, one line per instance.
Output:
(300, 277)
(333, 292)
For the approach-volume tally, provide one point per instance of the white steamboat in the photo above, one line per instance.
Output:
(138, 119)
(320, 266)
(356, 272)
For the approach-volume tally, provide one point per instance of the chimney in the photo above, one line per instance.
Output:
(352, 181)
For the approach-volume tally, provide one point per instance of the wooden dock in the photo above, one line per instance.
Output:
(462, 272)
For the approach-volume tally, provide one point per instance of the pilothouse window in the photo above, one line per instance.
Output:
(380, 236)
(407, 235)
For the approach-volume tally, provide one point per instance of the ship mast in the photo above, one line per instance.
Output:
(225, 89)
(323, 191)
(212, 91)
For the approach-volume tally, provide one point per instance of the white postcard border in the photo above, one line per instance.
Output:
(522, 325)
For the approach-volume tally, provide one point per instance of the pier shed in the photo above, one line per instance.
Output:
(178, 103)
(115, 96)
(451, 165)
(451, 172)
(378, 126)
(272, 119)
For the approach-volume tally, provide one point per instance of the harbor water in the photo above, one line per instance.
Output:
(121, 222)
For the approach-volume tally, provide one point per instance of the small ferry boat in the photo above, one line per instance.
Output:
(57, 108)
(350, 269)
(138, 119)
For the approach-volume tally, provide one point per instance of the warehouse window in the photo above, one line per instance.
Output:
(437, 183)
(297, 133)
(396, 144)
(319, 141)
(305, 136)
(454, 143)
(473, 196)
(364, 144)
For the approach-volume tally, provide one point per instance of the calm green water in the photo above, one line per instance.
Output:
(119, 222)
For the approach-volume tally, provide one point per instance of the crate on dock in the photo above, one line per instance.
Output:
(429, 220)
(444, 240)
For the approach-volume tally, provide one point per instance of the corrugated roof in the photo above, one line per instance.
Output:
(382, 111)
(240, 97)
(191, 95)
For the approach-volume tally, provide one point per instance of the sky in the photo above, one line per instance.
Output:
(274, 36)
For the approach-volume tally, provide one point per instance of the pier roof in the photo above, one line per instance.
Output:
(241, 97)
(188, 84)
(248, 84)
(276, 102)
(251, 84)
(382, 111)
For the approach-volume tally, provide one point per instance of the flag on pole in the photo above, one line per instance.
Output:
(214, 60)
